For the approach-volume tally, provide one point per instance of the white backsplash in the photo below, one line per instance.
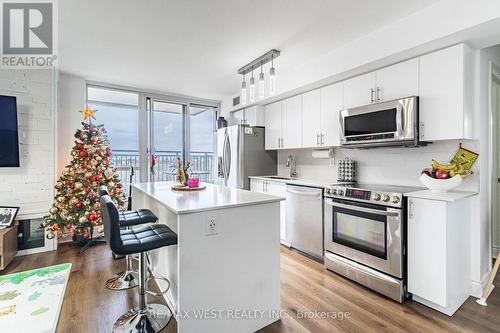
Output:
(391, 166)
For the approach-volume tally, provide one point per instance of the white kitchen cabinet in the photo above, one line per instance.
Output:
(273, 126)
(359, 90)
(311, 119)
(397, 81)
(291, 122)
(237, 117)
(332, 101)
(445, 102)
(273, 188)
(438, 252)
(254, 116)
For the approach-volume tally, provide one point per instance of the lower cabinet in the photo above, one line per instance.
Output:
(273, 188)
(438, 253)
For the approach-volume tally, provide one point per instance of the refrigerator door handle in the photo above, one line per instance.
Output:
(220, 172)
(228, 156)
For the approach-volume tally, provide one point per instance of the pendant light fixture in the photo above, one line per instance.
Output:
(244, 91)
(272, 77)
(252, 88)
(256, 63)
(261, 83)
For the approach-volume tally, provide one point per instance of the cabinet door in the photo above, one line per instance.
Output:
(238, 117)
(397, 81)
(257, 185)
(273, 125)
(311, 119)
(427, 249)
(359, 90)
(279, 189)
(254, 116)
(291, 122)
(441, 95)
(331, 104)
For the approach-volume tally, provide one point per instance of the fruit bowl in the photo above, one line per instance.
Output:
(441, 185)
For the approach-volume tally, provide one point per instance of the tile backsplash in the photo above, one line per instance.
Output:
(391, 166)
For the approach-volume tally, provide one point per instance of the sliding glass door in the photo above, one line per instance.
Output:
(202, 141)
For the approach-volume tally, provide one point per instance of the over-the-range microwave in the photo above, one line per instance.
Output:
(390, 123)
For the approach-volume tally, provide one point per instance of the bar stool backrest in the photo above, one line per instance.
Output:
(103, 190)
(111, 221)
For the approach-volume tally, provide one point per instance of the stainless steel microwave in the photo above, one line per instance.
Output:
(390, 123)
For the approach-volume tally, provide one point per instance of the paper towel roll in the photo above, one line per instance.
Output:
(322, 153)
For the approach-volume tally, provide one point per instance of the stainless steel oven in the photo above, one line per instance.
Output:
(365, 237)
(382, 124)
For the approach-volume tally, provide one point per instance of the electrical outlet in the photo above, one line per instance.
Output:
(211, 226)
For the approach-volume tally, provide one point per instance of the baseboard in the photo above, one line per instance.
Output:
(478, 286)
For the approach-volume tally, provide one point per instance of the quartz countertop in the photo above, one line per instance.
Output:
(321, 183)
(441, 196)
(212, 198)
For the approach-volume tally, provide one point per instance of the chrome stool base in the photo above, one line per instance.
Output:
(152, 319)
(124, 280)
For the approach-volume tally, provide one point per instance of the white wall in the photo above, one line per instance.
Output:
(31, 185)
(495, 209)
(391, 166)
(71, 99)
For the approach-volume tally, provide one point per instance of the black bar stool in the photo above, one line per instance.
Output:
(127, 219)
(152, 317)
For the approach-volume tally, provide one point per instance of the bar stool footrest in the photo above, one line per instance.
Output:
(161, 292)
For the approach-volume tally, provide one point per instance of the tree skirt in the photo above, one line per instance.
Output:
(30, 301)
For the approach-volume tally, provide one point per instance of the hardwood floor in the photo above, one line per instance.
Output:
(90, 308)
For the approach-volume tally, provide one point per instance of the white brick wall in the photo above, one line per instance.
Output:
(31, 185)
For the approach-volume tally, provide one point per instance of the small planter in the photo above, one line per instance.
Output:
(441, 185)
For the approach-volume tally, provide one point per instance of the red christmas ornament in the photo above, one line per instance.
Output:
(55, 227)
(96, 178)
(93, 216)
(119, 185)
(88, 190)
(82, 153)
(69, 226)
(86, 235)
(79, 204)
(79, 146)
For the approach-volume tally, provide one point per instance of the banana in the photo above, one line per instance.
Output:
(447, 167)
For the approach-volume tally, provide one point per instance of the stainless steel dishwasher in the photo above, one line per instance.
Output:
(304, 219)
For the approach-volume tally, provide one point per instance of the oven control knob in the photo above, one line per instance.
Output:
(395, 199)
(334, 191)
(386, 198)
(376, 197)
(340, 192)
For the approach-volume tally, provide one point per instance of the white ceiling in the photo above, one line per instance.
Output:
(195, 47)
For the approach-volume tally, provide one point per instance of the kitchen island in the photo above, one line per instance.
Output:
(225, 270)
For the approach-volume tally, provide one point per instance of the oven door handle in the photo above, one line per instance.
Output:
(362, 209)
(399, 120)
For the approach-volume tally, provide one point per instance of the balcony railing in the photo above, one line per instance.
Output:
(201, 165)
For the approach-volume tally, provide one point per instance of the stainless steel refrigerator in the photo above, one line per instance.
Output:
(240, 154)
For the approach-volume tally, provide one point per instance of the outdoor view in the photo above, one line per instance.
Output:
(119, 112)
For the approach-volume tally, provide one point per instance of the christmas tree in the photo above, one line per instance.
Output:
(76, 207)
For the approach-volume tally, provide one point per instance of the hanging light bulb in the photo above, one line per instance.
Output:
(243, 91)
(252, 88)
(261, 83)
(272, 78)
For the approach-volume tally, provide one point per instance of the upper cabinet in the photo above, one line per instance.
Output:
(283, 121)
(359, 90)
(291, 122)
(320, 116)
(273, 126)
(396, 81)
(252, 116)
(445, 104)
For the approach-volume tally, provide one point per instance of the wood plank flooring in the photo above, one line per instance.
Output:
(90, 308)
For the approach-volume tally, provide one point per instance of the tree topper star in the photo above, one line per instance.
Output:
(88, 113)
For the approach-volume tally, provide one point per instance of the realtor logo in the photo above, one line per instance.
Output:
(28, 32)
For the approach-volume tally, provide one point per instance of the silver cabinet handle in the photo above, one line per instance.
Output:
(371, 95)
(410, 209)
(378, 94)
(362, 209)
(421, 133)
(305, 193)
(317, 139)
(322, 139)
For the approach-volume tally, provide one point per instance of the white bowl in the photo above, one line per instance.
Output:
(440, 185)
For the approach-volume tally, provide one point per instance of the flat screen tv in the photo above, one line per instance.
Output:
(9, 142)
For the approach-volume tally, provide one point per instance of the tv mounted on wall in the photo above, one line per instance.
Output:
(9, 142)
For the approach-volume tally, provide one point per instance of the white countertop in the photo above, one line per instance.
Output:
(211, 198)
(441, 196)
(322, 183)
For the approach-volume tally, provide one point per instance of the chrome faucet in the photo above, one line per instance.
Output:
(290, 163)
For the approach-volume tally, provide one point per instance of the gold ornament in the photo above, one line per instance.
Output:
(50, 235)
(100, 230)
(78, 185)
(88, 113)
(82, 219)
(53, 210)
(111, 184)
